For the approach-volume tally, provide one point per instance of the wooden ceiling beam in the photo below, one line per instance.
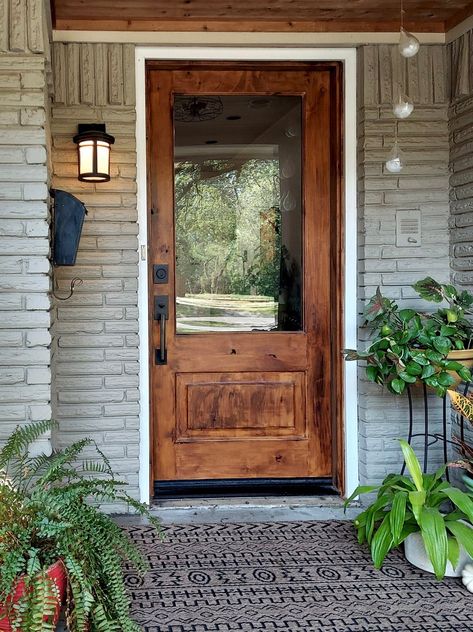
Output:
(248, 26)
(457, 18)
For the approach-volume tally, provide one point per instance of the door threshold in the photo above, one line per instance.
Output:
(251, 509)
(255, 487)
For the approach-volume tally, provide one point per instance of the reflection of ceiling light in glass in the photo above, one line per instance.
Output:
(259, 103)
(194, 109)
(291, 132)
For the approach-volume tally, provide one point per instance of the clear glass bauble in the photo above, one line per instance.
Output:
(395, 161)
(403, 107)
(408, 44)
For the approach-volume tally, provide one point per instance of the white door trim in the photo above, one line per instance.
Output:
(348, 57)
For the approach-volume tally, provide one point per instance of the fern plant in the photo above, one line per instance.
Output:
(46, 514)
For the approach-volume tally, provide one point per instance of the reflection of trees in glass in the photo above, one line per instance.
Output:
(228, 227)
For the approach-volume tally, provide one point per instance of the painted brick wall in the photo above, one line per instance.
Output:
(461, 159)
(25, 374)
(96, 331)
(461, 168)
(423, 185)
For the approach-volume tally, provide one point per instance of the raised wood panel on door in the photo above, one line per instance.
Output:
(246, 15)
(283, 423)
(214, 406)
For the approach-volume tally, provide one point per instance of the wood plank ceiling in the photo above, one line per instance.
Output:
(247, 15)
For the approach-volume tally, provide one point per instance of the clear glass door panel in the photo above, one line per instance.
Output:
(238, 213)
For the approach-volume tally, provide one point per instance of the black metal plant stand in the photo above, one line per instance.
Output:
(430, 438)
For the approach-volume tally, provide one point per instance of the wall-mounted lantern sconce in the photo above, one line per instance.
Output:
(93, 145)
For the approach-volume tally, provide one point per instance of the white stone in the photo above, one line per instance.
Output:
(35, 155)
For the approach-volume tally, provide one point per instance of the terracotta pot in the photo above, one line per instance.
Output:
(465, 357)
(57, 573)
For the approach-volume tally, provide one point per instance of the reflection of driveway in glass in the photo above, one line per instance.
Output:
(225, 313)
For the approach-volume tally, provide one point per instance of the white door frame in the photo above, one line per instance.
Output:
(220, 53)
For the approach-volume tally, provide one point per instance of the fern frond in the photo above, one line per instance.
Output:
(46, 515)
(19, 441)
(58, 463)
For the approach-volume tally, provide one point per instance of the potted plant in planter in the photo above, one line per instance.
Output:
(464, 405)
(432, 518)
(452, 317)
(55, 541)
(411, 347)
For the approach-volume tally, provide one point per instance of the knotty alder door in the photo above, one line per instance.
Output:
(243, 227)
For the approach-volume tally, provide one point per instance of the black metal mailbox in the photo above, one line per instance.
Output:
(68, 217)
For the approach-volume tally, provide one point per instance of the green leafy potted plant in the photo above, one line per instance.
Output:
(410, 347)
(453, 317)
(432, 519)
(54, 539)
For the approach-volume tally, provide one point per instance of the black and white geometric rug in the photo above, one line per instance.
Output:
(291, 577)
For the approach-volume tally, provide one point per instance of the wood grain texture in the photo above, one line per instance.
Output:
(219, 405)
(245, 15)
(186, 424)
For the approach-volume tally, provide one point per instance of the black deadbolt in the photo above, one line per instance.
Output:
(161, 273)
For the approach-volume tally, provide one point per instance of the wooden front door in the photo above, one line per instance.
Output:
(244, 269)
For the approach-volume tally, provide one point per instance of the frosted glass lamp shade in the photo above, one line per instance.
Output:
(403, 107)
(395, 162)
(408, 44)
(93, 148)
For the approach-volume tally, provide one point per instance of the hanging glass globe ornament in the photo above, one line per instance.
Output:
(403, 107)
(408, 44)
(395, 162)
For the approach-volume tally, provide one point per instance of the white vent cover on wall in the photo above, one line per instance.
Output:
(408, 229)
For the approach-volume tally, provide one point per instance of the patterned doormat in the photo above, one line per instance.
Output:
(306, 576)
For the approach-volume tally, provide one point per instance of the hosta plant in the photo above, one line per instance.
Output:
(422, 503)
(410, 347)
(49, 511)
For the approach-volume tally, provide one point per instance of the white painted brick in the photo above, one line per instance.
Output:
(39, 412)
(11, 412)
(10, 155)
(36, 155)
(38, 338)
(31, 283)
(38, 302)
(12, 356)
(11, 339)
(38, 375)
(36, 191)
(10, 302)
(25, 393)
(10, 191)
(21, 209)
(33, 116)
(12, 376)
